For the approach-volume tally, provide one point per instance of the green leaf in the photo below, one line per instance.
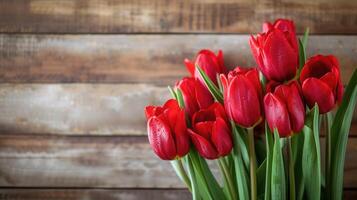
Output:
(194, 182)
(339, 136)
(297, 143)
(240, 170)
(302, 50)
(214, 188)
(269, 145)
(172, 92)
(242, 144)
(180, 98)
(278, 190)
(311, 155)
(305, 38)
(261, 172)
(220, 86)
(216, 93)
(302, 54)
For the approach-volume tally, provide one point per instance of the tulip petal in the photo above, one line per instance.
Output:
(149, 111)
(316, 91)
(221, 137)
(208, 62)
(160, 138)
(203, 96)
(243, 101)
(204, 129)
(267, 26)
(281, 60)
(171, 104)
(277, 115)
(190, 67)
(187, 87)
(256, 51)
(203, 146)
(222, 68)
(181, 136)
(290, 94)
(253, 76)
(330, 79)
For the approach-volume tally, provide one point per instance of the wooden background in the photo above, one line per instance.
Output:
(75, 76)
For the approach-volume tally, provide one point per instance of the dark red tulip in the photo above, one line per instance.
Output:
(195, 95)
(167, 130)
(321, 82)
(210, 132)
(276, 50)
(210, 63)
(242, 96)
(284, 109)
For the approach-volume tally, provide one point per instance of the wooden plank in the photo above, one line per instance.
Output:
(154, 59)
(99, 162)
(95, 194)
(157, 16)
(81, 109)
(105, 109)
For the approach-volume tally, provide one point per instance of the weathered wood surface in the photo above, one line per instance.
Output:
(114, 194)
(157, 16)
(99, 162)
(80, 109)
(155, 59)
(94, 162)
(95, 194)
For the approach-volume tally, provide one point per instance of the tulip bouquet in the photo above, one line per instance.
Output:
(261, 126)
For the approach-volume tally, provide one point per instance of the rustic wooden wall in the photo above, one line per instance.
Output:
(75, 76)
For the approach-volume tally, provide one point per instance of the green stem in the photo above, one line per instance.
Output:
(253, 164)
(291, 171)
(227, 178)
(327, 124)
(195, 192)
(180, 171)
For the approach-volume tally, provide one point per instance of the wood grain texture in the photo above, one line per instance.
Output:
(81, 109)
(115, 194)
(94, 194)
(99, 162)
(154, 59)
(84, 109)
(157, 16)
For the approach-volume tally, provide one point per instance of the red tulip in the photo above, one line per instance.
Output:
(195, 95)
(276, 50)
(167, 130)
(242, 96)
(284, 109)
(211, 134)
(321, 82)
(209, 63)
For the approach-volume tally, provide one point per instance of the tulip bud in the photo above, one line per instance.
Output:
(210, 132)
(167, 130)
(209, 63)
(284, 109)
(276, 50)
(321, 82)
(242, 96)
(195, 95)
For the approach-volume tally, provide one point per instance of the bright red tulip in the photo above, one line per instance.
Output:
(284, 109)
(321, 82)
(167, 130)
(276, 50)
(210, 63)
(195, 95)
(211, 134)
(242, 96)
